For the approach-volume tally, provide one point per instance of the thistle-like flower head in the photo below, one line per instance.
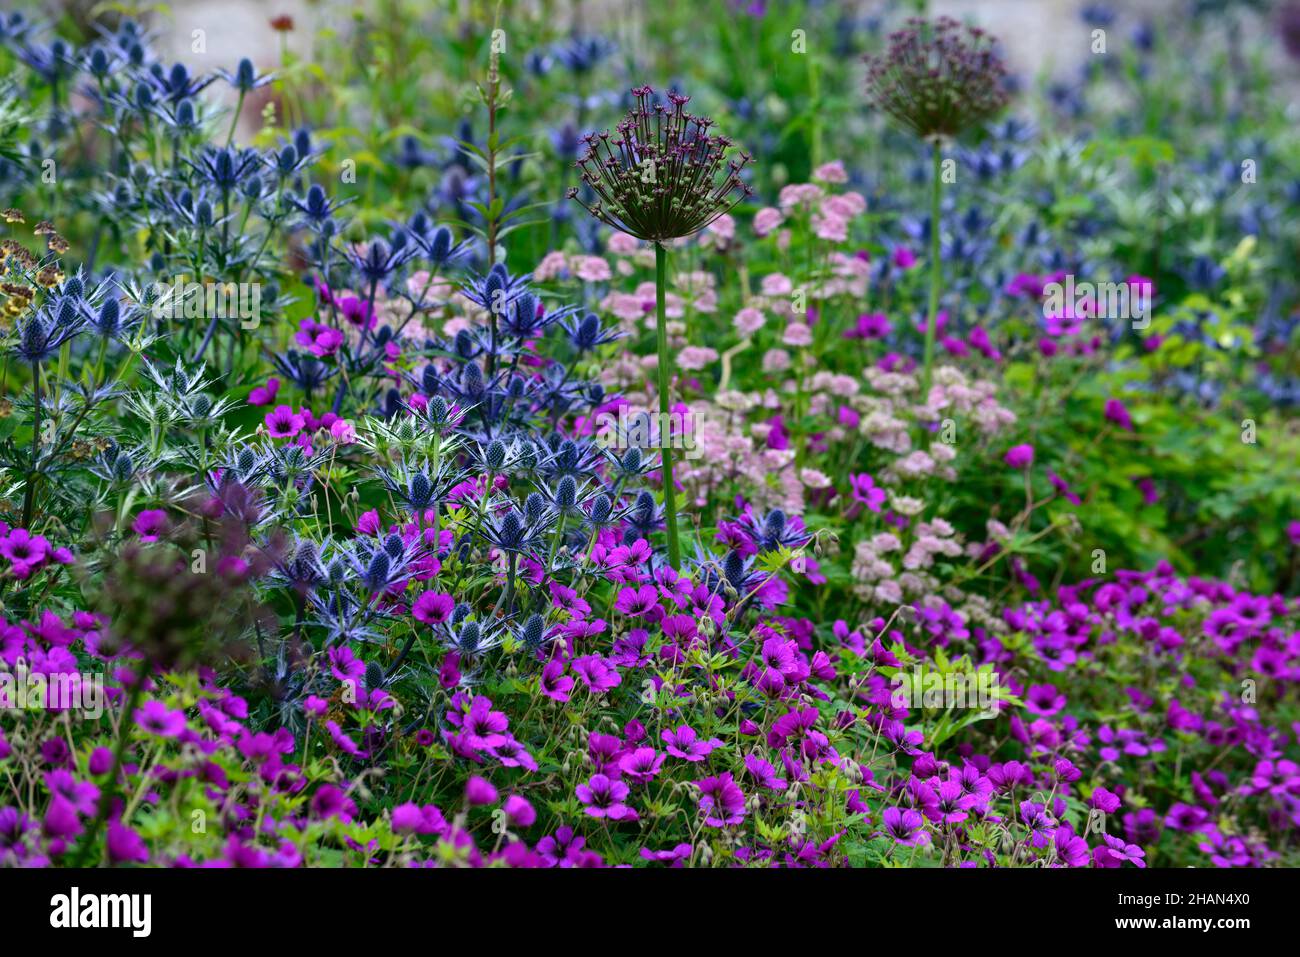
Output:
(938, 78)
(663, 175)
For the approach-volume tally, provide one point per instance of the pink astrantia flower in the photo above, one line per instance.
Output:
(748, 321)
(767, 219)
(832, 172)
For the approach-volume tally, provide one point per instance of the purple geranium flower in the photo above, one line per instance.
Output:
(604, 797)
(156, 718)
(904, 826)
(722, 800)
(641, 765)
(1020, 456)
(685, 743)
(864, 490)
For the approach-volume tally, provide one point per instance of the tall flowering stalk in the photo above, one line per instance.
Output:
(937, 79)
(661, 176)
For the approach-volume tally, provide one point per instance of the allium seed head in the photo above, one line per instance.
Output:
(938, 78)
(662, 176)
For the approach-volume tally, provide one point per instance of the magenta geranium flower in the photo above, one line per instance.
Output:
(904, 826)
(1071, 850)
(61, 819)
(952, 802)
(675, 857)
(26, 552)
(519, 811)
(686, 744)
(156, 718)
(641, 765)
(125, 846)
(864, 490)
(596, 673)
(636, 602)
(763, 773)
(1117, 413)
(479, 791)
(149, 524)
(554, 683)
(284, 423)
(1116, 852)
(345, 665)
(433, 608)
(83, 794)
(330, 802)
(1060, 485)
(604, 797)
(722, 801)
(483, 727)
(321, 341)
(564, 848)
(1104, 800)
(343, 741)
(781, 655)
(264, 394)
(411, 818)
(356, 311)
(1044, 700)
(874, 325)
(1020, 456)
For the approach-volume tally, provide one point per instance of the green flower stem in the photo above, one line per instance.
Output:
(110, 786)
(665, 435)
(29, 494)
(234, 120)
(934, 273)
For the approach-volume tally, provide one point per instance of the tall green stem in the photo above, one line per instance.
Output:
(234, 120)
(933, 320)
(106, 796)
(29, 495)
(665, 433)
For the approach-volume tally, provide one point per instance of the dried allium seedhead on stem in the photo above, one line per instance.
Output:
(663, 176)
(938, 78)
